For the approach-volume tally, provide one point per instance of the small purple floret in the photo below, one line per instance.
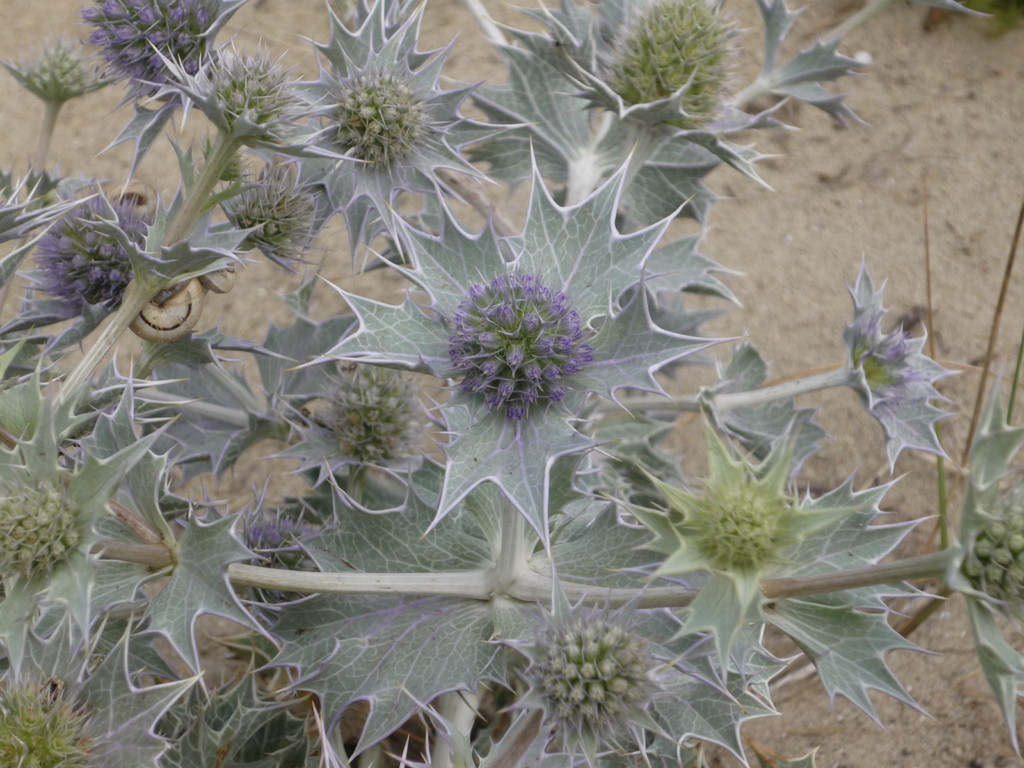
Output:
(515, 340)
(80, 265)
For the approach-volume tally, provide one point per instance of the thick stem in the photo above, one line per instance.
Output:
(511, 554)
(50, 111)
(932, 565)
(854, 20)
(837, 377)
(222, 153)
(469, 584)
(587, 168)
(155, 556)
(136, 296)
(458, 709)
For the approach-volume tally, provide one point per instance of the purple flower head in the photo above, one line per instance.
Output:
(278, 543)
(128, 31)
(515, 340)
(891, 374)
(80, 265)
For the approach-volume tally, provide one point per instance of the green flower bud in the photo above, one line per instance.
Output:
(590, 675)
(39, 729)
(380, 121)
(994, 563)
(673, 46)
(374, 414)
(57, 74)
(38, 527)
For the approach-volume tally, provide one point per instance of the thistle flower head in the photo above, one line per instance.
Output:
(674, 49)
(247, 96)
(277, 540)
(892, 375)
(994, 559)
(81, 263)
(593, 676)
(380, 120)
(516, 341)
(39, 527)
(57, 74)
(374, 415)
(280, 210)
(137, 37)
(39, 728)
(381, 104)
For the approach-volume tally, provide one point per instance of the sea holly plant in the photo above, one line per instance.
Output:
(482, 551)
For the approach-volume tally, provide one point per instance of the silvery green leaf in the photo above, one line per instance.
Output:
(670, 183)
(759, 428)
(698, 705)
(143, 129)
(517, 456)
(585, 548)
(801, 76)
(847, 646)
(232, 728)
(389, 651)
(199, 584)
(547, 119)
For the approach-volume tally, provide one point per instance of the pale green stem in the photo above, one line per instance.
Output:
(139, 293)
(50, 111)
(587, 167)
(136, 296)
(511, 554)
(644, 140)
(930, 566)
(725, 401)
(458, 709)
(871, 9)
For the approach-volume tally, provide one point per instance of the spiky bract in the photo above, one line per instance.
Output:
(516, 340)
(38, 528)
(81, 263)
(40, 729)
(57, 74)
(674, 46)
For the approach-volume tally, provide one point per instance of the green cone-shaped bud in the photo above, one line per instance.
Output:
(673, 46)
(38, 528)
(39, 729)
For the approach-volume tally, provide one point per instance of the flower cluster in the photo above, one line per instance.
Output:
(38, 528)
(57, 74)
(374, 414)
(674, 48)
(516, 341)
(82, 264)
(135, 36)
(994, 563)
(380, 120)
(591, 674)
(40, 729)
(891, 374)
(279, 212)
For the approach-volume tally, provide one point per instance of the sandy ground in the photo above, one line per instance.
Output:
(943, 110)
